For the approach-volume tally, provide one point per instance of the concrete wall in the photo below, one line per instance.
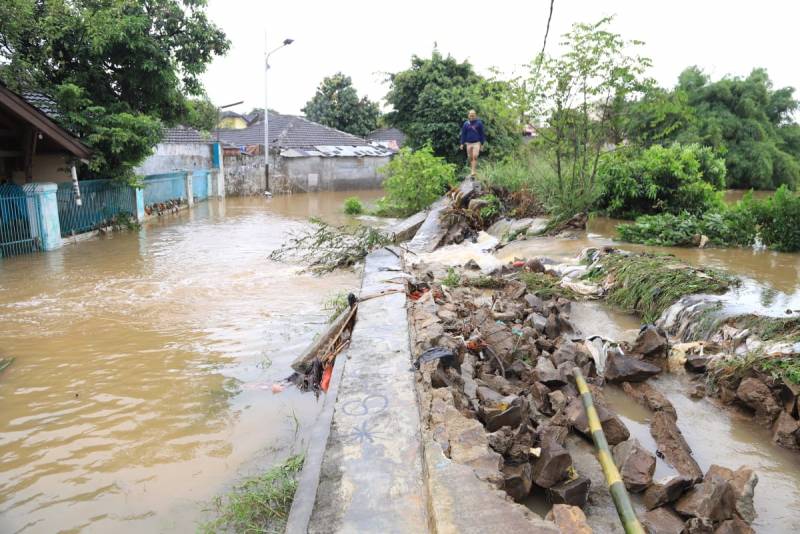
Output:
(46, 168)
(168, 157)
(327, 174)
(244, 175)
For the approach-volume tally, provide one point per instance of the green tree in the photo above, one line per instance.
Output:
(336, 104)
(745, 119)
(201, 114)
(126, 64)
(431, 99)
(574, 96)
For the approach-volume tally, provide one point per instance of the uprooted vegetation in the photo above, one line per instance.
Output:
(260, 503)
(324, 247)
(649, 283)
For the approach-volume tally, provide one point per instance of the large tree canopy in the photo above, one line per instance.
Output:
(431, 99)
(336, 104)
(745, 119)
(126, 64)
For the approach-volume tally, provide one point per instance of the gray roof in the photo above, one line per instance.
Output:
(182, 135)
(387, 134)
(289, 131)
(43, 103)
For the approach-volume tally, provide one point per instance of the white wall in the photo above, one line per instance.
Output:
(169, 157)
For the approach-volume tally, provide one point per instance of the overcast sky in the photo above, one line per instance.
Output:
(366, 39)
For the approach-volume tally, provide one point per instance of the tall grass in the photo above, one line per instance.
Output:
(530, 170)
(259, 504)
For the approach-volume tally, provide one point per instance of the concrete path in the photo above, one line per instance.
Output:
(371, 475)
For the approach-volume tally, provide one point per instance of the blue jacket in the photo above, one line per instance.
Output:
(472, 132)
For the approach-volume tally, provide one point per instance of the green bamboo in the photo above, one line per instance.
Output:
(615, 485)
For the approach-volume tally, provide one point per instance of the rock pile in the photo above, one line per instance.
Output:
(506, 402)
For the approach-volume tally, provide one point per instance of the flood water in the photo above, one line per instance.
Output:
(144, 363)
(771, 280)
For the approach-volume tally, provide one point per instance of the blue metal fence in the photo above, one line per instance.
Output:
(101, 201)
(164, 187)
(200, 185)
(16, 234)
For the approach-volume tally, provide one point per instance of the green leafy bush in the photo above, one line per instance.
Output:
(779, 220)
(661, 179)
(414, 180)
(773, 220)
(492, 209)
(353, 206)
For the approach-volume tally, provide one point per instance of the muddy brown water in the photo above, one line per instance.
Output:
(144, 363)
(716, 435)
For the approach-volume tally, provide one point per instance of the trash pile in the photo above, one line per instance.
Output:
(496, 382)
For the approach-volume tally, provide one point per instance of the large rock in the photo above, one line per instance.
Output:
(501, 440)
(511, 416)
(573, 492)
(636, 465)
(647, 395)
(566, 352)
(734, 526)
(536, 320)
(613, 427)
(469, 445)
(569, 519)
(552, 328)
(497, 336)
(621, 368)
(651, 343)
(697, 363)
(743, 482)
(517, 480)
(662, 521)
(712, 499)
(666, 491)
(755, 394)
(546, 373)
(552, 465)
(786, 431)
(673, 446)
(699, 525)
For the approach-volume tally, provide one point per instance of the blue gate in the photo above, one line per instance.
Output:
(101, 201)
(16, 234)
(200, 185)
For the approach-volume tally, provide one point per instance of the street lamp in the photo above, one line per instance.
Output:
(286, 42)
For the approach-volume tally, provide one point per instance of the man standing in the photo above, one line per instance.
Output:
(473, 137)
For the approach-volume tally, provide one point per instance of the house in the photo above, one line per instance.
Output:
(180, 148)
(307, 156)
(391, 138)
(232, 121)
(33, 146)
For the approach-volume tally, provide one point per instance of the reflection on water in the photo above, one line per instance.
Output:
(141, 358)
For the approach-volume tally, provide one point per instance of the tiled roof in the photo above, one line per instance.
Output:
(43, 103)
(289, 131)
(183, 134)
(387, 134)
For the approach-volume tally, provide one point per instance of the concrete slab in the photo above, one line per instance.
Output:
(371, 477)
(407, 228)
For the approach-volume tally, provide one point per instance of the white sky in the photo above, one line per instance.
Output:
(365, 39)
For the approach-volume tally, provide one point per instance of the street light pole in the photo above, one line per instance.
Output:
(286, 42)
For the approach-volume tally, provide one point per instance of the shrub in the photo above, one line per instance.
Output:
(532, 180)
(661, 179)
(773, 220)
(414, 180)
(490, 212)
(778, 218)
(353, 206)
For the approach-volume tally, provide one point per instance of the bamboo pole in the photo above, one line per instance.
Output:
(615, 485)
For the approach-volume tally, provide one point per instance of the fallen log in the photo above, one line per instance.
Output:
(325, 342)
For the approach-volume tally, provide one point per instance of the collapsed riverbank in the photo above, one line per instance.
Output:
(449, 301)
